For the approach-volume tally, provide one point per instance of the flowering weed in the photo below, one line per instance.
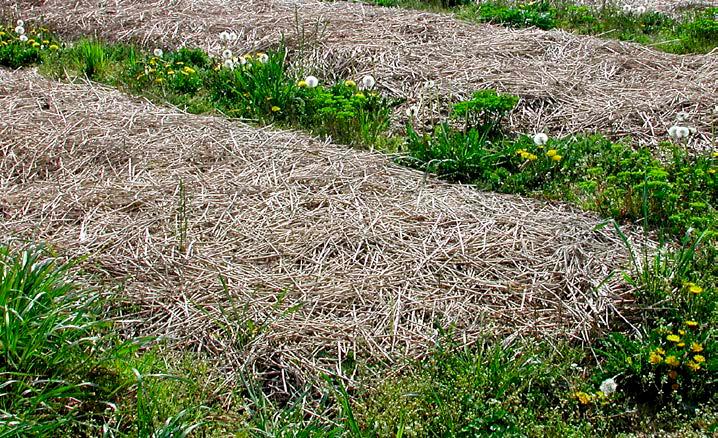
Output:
(21, 45)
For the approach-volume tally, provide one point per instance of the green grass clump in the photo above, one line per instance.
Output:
(63, 372)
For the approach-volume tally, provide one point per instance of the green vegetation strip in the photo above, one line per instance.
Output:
(63, 368)
(695, 32)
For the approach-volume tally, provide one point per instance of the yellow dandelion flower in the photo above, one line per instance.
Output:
(715, 154)
(711, 171)
(696, 347)
(692, 324)
(159, 80)
(699, 359)
(551, 153)
(350, 83)
(583, 398)
(302, 84)
(681, 332)
(672, 361)
(655, 358)
(556, 157)
(188, 70)
(54, 47)
(694, 288)
(673, 338)
(45, 42)
(693, 366)
(681, 344)
(360, 96)
(170, 72)
(275, 109)
(660, 351)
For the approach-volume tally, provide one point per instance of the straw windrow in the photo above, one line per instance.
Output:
(569, 83)
(332, 253)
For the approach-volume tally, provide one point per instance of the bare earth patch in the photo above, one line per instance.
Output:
(370, 258)
(568, 83)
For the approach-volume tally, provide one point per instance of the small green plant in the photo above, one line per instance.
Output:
(344, 113)
(182, 217)
(485, 111)
(89, 58)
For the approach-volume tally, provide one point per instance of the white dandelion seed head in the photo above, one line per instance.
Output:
(682, 116)
(672, 131)
(540, 139)
(228, 63)
(678, 132)
(227, 54)
(608, 386)
(311, 81)
(242, 60)
(627, 9)
(367, 82)
(641, 10)
(231, 36)
(20, 23)
(23, 38)
(263, 58)
(20, 30)
(224, 36)
(158, 52)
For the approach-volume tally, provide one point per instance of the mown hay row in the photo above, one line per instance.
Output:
(568, 83)
(333, 253)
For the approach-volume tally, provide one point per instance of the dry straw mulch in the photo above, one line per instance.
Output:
(568, 83)
(370, 257)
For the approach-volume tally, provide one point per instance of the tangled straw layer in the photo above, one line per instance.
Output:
(568, 83)
(331, 253)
